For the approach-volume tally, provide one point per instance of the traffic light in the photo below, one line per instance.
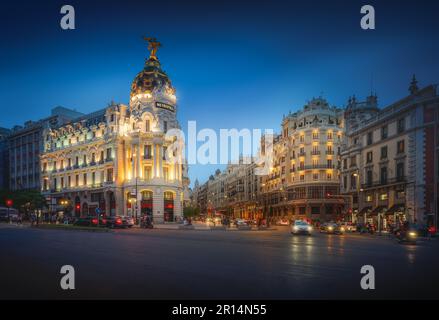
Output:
(9, 203)
(328, 195)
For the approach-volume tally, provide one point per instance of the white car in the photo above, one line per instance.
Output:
(301, 227)
(241, 222)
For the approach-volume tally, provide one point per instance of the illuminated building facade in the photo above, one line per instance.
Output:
(390, 160)
(117, 159)
(304, 179)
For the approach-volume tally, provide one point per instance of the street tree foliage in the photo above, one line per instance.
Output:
(23, 200)
(191, 212)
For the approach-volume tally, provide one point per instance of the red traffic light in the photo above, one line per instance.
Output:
(328, 195)
(78, 206)
(9, 202)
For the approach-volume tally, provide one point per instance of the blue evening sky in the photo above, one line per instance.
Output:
(235, 64)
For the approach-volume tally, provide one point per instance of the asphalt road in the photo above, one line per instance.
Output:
(182, 264)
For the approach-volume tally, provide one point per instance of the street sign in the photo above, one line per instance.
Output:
(97, 210)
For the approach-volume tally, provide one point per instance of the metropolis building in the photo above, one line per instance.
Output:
(114, 161)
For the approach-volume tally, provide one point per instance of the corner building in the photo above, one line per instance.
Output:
(304, 179)
(115, 159)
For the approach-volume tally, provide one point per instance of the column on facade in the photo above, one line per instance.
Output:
(158, 206)
(177, 204)
(139, 160)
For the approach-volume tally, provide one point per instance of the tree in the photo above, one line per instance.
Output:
(23, 200)
(191, 212)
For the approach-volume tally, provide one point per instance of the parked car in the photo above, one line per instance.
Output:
(120, 222)
(332, 228)
(283, 222)
(240, 222)
(8, 213)
(348, 226)
(301, 227)
(90, 221)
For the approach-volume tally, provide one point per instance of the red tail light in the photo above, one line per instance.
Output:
(119, 221)
(94, 221)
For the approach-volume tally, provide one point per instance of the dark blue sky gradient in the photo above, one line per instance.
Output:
(235, 64)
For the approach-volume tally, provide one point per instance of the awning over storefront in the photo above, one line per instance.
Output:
(365, 210)
(397, 208)
(377, 210)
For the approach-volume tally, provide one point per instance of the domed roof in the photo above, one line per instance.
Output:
(150, 78)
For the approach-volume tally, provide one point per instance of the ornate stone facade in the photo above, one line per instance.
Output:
(118, 159)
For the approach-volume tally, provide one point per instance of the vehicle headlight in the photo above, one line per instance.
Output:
(341, 229)
(309, 228)
(295, 228)
(330, 228)
(412, 234)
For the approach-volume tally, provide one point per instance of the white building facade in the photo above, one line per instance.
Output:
(120, 160)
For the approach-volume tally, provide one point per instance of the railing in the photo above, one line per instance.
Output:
(315, 153)
(330, 152)
(384, 182)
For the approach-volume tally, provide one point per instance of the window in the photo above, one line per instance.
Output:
(384, 132)
(369, 138)
(62, 182)
(109, 157)
(77, 180)
(400, 147)
(84, 160)
(329, 135)
(315, 163)
(110, 175)
(93, 178)
(302, 177)
(383, 175)
(369, 176)
(166, 174)
(345, 163)
(329, 176)
(165, 126)
(369, 157)
(93, 158)
(384, 196)
(315, 135)
(353, 161)
(147, 125)
(165, 150)
(369, 198)
(353, 181)
(384, 152)
(345, 182)
(101, 159)
(302, 138)
(147, 151)
(329, 163)
(69, 183)
(84, 179)
(329, 150)
(69, 161)
(302, 165)
(147, 173)
(302, 151)
(401, 125)
(62, 165)
(400, 171)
